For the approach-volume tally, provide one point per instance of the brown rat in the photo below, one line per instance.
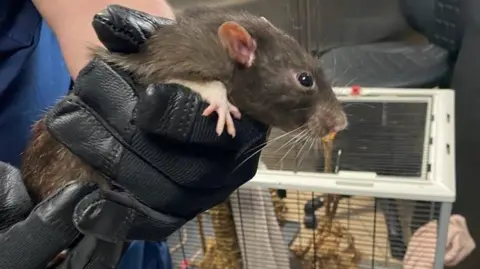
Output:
(235, 61)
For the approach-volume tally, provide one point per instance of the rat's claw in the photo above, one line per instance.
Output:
(211, 108)
(230, 125)
(223, 117)
(220, 122)
(224, 110)
(235, 111)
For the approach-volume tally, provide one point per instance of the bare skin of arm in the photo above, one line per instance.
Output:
(71, 22)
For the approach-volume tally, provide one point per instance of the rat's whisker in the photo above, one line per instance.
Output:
(309, 141)
(301, 136)
(312, 144)
(286, 153)
(300, 153)
(259, 148)
(246, 159)
(287, 133)
(351, 81)
(270, 141)
(295, 143)
(318, 145)
(292, 140)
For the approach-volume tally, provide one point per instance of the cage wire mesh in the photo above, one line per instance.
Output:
(294, 232)
(387, 138)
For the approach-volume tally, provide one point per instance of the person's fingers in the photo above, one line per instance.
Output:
(454, 250)
(410, 259)
(420, 254)
(467, 246)
(415, 256)
(451, 233)
(459, 221)
(462, 244)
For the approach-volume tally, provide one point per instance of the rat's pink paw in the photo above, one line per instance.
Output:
(225, 110)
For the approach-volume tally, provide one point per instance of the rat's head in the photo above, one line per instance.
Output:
(277, 81)
(267, 73)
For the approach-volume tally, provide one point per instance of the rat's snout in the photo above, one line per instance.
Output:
(339, 123)
(327, 119)
(335, 121)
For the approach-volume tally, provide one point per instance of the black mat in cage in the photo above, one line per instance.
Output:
(387, 138)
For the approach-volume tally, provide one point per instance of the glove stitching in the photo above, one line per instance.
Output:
(147, 18)
(191, 113)
(187, 117)
(130, 216)
(128, 219)
(125, 33)
(83, 212)
(166, 116)
(96, 205)
(119, 230)
(113, 155)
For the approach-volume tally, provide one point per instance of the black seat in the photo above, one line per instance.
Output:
(401, 64)
(388, 64)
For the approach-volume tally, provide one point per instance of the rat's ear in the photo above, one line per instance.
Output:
(238, 43)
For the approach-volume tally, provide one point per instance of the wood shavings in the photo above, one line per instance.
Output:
(333, 246)
(280, 207)
(222, 251)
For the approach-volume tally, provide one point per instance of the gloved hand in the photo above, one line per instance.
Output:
(165, 161)
(163, 158)
(31, 237)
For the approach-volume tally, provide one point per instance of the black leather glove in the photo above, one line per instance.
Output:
(32, 237)
(165, 161)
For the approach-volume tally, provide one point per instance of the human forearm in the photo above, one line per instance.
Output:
(71, 22)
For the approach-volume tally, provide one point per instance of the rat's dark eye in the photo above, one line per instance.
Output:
(305, 79)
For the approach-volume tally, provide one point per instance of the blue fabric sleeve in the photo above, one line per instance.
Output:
(32, 79)
(146, 255)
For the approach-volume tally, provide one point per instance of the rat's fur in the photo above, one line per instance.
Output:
(191, 50)
(267, 91)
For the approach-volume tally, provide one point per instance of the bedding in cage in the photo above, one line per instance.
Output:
(391, 186)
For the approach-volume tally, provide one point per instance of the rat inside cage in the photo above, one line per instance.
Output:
(378, 195)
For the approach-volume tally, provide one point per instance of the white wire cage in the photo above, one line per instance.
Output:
(392, 183)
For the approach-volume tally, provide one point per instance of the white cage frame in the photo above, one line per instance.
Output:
(437, 184)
